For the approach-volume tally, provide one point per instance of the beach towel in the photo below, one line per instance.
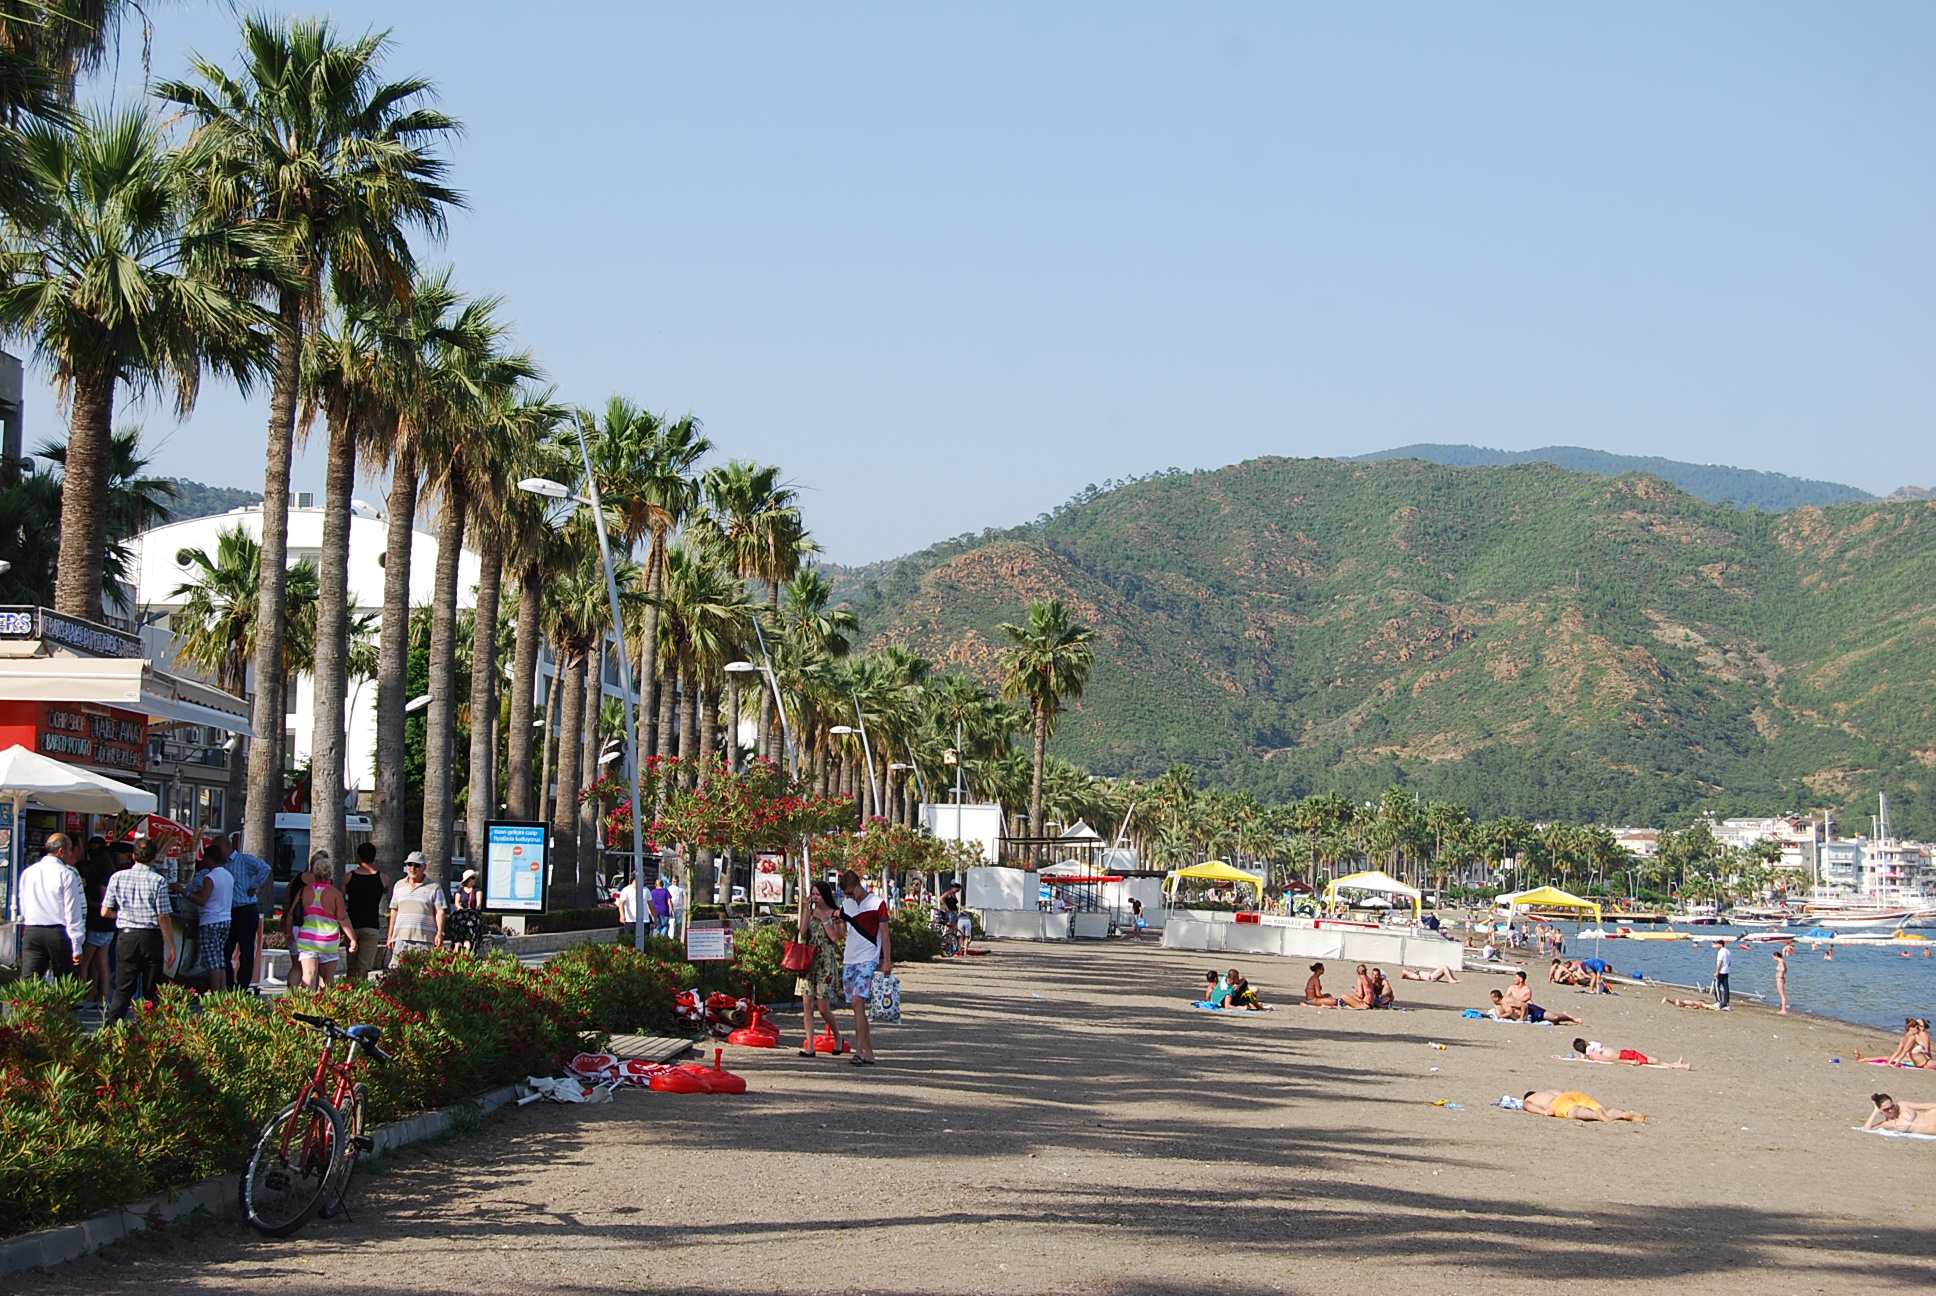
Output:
(1891, 1133)
(1207, 1006)
(1575, 1057)
(1886, 1062)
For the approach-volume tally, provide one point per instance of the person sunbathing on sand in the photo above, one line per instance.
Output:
(1575, 1106)
(1442, 974)
(1381, 989)
(1910, 1118)
(1314, 996)
(1595, 1051)
(1362, 995)
(1526, 1012)
(1689, 1003)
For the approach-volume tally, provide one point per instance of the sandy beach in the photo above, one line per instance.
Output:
(1055, 1119)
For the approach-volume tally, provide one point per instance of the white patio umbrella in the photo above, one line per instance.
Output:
(60, 786)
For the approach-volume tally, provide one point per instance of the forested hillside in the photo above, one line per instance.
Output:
(1522, 639)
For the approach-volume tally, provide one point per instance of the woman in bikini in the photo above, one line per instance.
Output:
(1314, 996)
(1913, 1051)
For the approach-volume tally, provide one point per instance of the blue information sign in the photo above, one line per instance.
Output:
(517, 866)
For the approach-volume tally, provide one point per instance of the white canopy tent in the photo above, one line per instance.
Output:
(28, 775)
(1376, 881)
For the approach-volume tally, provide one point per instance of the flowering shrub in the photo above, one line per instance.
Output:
(179, 1091)
(758, 808)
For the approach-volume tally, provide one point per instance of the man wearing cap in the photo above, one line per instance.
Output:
(417, 908)
(53, 912)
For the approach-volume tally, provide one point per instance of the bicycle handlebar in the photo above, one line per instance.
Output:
(329, 1027)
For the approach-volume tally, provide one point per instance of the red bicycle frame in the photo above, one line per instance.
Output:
(326, 1067)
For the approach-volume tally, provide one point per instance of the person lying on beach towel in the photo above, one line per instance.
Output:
(1527, 1012)
(1689, 1003)
(1574, 1106)
(1910, 1118)
(1442, 974)
(1595, 1051)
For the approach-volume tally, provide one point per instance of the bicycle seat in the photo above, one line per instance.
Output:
(365, 1034)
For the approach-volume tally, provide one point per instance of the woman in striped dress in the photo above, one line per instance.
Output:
(325, 924)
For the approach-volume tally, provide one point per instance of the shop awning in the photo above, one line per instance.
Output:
(126, 682)
(60, 786)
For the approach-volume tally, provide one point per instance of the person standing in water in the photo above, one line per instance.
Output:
(1781, 980)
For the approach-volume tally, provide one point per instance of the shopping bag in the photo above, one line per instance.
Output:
(884, 1004)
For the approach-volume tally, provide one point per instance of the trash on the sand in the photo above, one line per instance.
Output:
(1435, 1069)
(1440, 1047)
(1835, 1059)
(1037, 994)
(1511, 1103)
(564, 1089)
(1447, 1103)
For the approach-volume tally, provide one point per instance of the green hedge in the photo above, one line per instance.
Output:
(178, 1093)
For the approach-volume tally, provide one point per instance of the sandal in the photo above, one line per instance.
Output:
(858, 1060)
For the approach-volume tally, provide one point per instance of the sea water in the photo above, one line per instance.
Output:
(1868, 983)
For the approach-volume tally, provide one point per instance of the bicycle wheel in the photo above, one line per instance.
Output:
(356, 1141)
(293, 1167)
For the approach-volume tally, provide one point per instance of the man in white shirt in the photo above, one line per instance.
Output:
(869, 951)
(1723, 964)
(678, 895)
(53, 912)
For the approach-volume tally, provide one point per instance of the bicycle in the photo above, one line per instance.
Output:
(305, 1157)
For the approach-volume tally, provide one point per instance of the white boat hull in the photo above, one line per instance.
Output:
(1861, 922)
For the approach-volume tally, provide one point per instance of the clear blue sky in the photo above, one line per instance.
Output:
(947, 264)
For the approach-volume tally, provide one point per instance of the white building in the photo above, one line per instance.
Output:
(1641, 843)
(160, 572)
(1885, 872)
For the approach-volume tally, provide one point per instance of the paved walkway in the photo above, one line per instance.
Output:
(1054, 1119)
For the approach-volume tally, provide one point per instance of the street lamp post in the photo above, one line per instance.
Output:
(765, 670)
(558, 490)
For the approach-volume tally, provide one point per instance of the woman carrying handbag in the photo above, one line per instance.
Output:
(816, 957)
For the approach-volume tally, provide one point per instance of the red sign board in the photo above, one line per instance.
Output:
(78, 733)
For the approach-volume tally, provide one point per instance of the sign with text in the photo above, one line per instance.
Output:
(517, 865)
(708, 944)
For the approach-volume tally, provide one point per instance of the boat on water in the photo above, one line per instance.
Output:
(1842, 936)
(1884, 920)
(1622, 918)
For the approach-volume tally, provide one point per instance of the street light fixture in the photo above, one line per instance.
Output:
(416, 704)
(779, 703)
(548, 489)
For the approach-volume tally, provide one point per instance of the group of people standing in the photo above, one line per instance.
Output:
(81, 915)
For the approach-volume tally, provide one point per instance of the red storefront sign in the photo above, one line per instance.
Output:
(80, 733)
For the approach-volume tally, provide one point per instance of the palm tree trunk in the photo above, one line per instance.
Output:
(543, 801)
(588, 772)
(440, 743)
(524, 682)
(649, 644)
(480, 804)
(688, 727)
(732, 722)
(84, 499)
(569, 696)
(708, 732)
(667, 697)
(1035, 787)
(332, 649)
(393, 658)
(272, 589)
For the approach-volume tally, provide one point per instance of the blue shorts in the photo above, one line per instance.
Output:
(857, 979)
(100, 938)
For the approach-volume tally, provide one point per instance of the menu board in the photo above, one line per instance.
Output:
(516, 866)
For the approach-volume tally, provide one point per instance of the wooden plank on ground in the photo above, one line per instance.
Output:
(650, 1048)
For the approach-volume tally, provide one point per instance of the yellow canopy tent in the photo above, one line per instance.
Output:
(1214, 871)
(1375, 880)
(1546, 897)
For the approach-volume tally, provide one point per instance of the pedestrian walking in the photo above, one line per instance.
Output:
(210, 891)
(677, 926)
(144, 920)
(869, 953)
(820, 927)
(661, 897)
(363, 900)
(1723, 964)
(53, 912)
(417, 909)
(323, 924)
(251, 874)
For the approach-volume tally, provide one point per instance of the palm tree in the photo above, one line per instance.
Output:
(754, 519)
(644, 467)
(534, 547)
(470, 451)
(525, 421)
(1048, 661)
(309, 147)
(576, 610)
(136, 502)
(110, 289)
(45, 46)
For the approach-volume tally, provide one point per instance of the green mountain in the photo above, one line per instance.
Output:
(194, 500)
(1715, 483)
(1524, 639)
